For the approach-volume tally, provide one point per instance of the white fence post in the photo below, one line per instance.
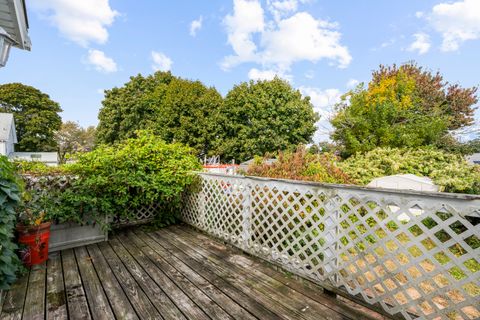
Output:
(247, 215)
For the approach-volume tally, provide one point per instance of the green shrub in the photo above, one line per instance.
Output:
(449, 171)
(9, 199)
(117, 180)
(301, 165)
(36, 168)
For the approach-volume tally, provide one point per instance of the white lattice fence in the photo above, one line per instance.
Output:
(415, 254)
(41, 186)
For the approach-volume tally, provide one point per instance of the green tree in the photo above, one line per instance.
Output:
(177, 110)
(401, 107)
(188, 115)
(72, 138)
(36, 116)
(262, 117)
(132, 107)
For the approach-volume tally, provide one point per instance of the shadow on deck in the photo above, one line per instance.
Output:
(173, 273)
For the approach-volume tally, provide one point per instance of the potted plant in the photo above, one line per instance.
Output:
(33, 232)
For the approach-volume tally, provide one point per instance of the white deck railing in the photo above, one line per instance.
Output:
(411, 253)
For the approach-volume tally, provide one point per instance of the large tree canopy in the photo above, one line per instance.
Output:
(402, 106)
(36, 116)
(178, 110)
(264, 116)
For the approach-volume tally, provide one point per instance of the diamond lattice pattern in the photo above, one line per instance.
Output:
(415, 254)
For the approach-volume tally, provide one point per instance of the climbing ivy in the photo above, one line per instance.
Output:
(9, 199)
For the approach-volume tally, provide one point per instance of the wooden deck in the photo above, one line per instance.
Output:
(173, 273)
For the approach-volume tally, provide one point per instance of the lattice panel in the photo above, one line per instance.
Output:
(226, 195)
(140, 215)
(415, 254)
(41, 186)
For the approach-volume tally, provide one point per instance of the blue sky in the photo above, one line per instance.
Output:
(80, 48)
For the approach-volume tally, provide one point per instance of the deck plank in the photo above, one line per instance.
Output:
(56, 299)
(212, 309)
(171, 289)
(223, 300)
(247, 263)
(245, 299)
(139, 300)
(288, 300)
(160, 300)
(15, 299)
(77, 305)
(172, 273)
(34, 308)
(250, 287)
(118, 300)
(96, 298)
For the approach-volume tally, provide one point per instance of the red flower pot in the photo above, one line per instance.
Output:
(36, 240)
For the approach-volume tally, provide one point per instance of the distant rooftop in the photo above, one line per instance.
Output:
(6, 125)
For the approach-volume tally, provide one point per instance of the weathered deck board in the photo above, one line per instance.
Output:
(76, 299)
(173, 273)
(160, 300)
(270, 292)
(118, 300)
(176, 295)
(202, 282)
(35, 300)
(56, 299)
(194, 293)
(140, 302)
(97, 300)
(306, 288)
(15, 299)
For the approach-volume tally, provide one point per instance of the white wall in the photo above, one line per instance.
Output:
(3, 148)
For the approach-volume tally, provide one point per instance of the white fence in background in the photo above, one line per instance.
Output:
(411, 253)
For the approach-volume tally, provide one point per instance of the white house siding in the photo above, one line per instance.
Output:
(3, 148)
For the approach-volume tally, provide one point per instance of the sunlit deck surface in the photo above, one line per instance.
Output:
(171, 273)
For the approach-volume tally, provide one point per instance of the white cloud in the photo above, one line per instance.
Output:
(100, 61)
(421, 43)
(280, 43)
(457, 22)
(161, 62)
(352, 83)
(302, 37)
(247, 19)
(195, 26)
(419, 14)
(323, 102)
(255, 74)
(281, 8)
(82, 21)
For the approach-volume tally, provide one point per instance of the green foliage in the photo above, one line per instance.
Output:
(449, 171)
(386, 116)
(35, 168)
(264, 116)
(36, 116)
(177, 110)
(9, 199)
(301, 165)
(116, 180)
(402, 106)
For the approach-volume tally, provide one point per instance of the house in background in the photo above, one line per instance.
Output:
(8, 134)
(13, 28)
(8, 139)
(49, 158)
